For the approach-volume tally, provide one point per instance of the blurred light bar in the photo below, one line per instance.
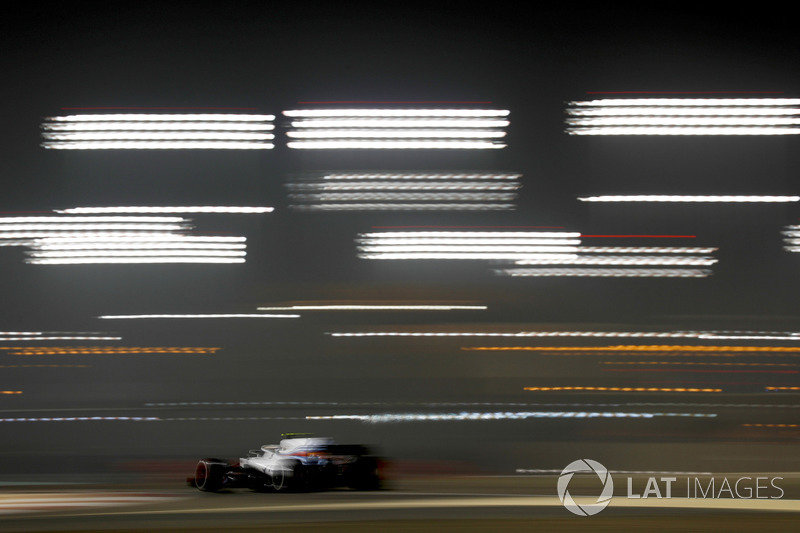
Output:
(101, 236)
(165, 210)
(396, 128)
(166, 118)
(471, 416)
(534, 248)
(396, 134)
(192, 316)
(396, 113)
(618, 389)
(664, 349)
(84, 419)
(575, 259)
(684, 116)
(705, 335)
(499, 245)
(61, 338)
(394, 145)
(605, 272)
(690, 199)
(413, 192)
(159, 131)
(791, 239)
(113, 350)
(377, 307)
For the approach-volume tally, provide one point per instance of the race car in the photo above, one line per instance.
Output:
(298, 463)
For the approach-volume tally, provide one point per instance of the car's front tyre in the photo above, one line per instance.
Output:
(209, 474)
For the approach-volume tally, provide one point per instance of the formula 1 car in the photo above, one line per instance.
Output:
(298, 463)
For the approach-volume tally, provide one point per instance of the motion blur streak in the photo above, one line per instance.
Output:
(684, 116)
(165, 209)
(107, 350)
(84, 419)
(618, 389)
(397, 113)
(605, 273)
(54, 501)
(376, 307)
(638, 348)
(396, 128)
(591, 334)
(107, 239)
(45, 366)
(158, 131)
(395, 191)
(192, 316)
(695, 363)
(520, 415)
(10, 392)
(689, 199)
(60, 338)
(781, 426)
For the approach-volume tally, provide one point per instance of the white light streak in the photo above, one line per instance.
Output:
(396, 128)
(171, 117)
(460, 235)
(428, 192)
(394, 145)
(408, 206)
(704, 335)
(647, 130)
(410, 185)
(507, 415)
(78, 237)
(690, 199)
(648, 249)
(574, 259)
(134, 127)
(126, 253)
(534, 248)
(375, 307)
(136, 237)
(318, 113)
(380, 196)
(778, 103)
(791, 239)
(396, 134)
(196, 316)
(154, 136)
(605, 273)
(158, 131)
(420, 176)
(684, 116)
(155, 145)
(142, 259)
(166, 209)
(62, 338)
(84, 419)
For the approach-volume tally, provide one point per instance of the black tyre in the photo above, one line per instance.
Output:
(363, 474)
(209, 474)
(292, 477)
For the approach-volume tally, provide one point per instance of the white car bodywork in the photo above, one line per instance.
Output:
(277, 461)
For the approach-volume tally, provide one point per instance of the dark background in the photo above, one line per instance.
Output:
(273, 56)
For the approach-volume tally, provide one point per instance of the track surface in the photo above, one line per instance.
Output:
(430, 504)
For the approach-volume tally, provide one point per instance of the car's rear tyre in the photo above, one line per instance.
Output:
(363, 474)
(291, 477)
(209, 474)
